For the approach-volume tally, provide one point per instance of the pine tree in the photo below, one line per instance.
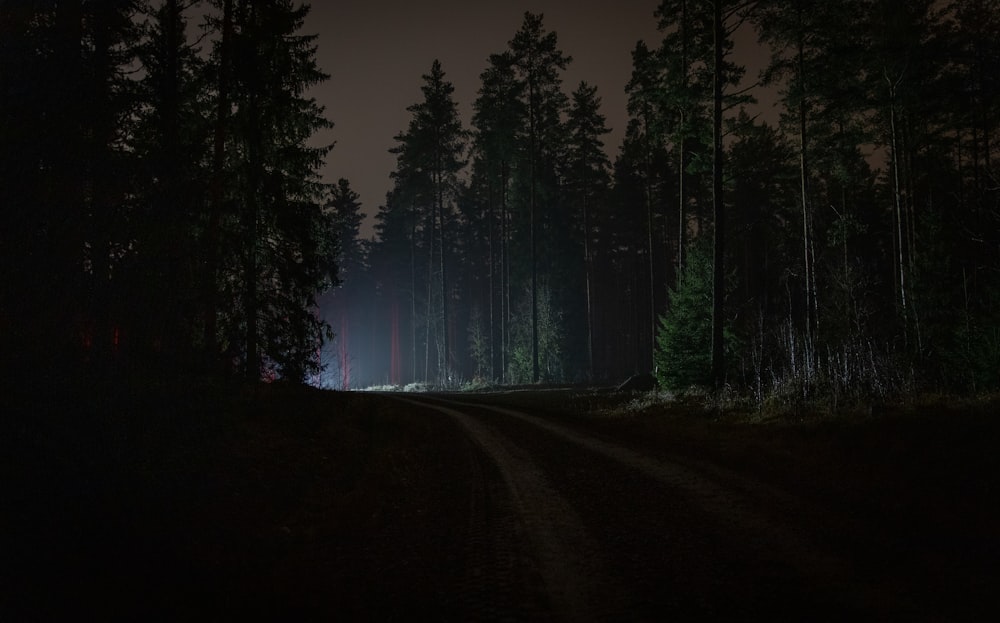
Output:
(802, 36)
(496, 121)
(430, 155)
(727, 16)
(538, 63)
(900, 68)
(586, 185)
(645, 139)
(964, 236)
(626, 301)
(684, 65)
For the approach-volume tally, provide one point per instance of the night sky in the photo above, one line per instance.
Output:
(377, 50)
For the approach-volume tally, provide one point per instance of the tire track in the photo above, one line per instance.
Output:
(765, 520)
(559, 549)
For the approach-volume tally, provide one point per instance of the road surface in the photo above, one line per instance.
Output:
(292, 504)
(570, 524)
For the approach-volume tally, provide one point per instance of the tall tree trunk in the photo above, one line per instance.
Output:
(681, 162)
(446, 370)
(804, 192)
(429, 318)
(64, 226)
(250, 271)
(218, 187)
(897, 203)
(647, 361)
(985, 110)
(532, 227)
(255, 178)
(492, 275)
(588, 274)
(504, 273)
(718, 289)
(395, 378)
(910, 220)
(413, 294)
(166, 329)
(100, 157)
(681, 212)
(65, 218)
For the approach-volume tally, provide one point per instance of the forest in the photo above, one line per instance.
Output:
(164, 208)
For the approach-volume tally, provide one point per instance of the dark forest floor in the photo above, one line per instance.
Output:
(165, 501)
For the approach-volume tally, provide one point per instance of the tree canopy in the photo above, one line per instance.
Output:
(165, 178)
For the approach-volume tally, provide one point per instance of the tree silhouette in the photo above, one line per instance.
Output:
(538, 62)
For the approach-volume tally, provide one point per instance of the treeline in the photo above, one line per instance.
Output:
(163, 209)
(161, 201)
(851, 248)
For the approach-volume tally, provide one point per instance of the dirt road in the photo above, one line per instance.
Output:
(295, 504)
(614, 532)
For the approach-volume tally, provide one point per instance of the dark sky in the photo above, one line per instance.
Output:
(377, 50)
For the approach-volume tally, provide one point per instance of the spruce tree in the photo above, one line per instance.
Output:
(282, 258)
(344, 208)
(430, 155)
(172, 143)
(683, 355)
